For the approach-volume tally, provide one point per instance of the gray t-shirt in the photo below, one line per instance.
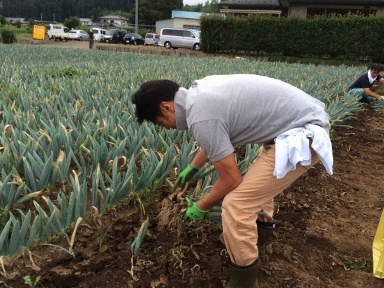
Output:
(224, 110)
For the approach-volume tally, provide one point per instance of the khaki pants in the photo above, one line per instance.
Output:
(255, 193)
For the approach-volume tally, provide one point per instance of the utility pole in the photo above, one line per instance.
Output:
(137, 17)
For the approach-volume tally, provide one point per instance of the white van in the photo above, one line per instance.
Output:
(57, 31)
(98, 33)
(179, 38)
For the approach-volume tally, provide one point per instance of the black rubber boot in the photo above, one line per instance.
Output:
(264, 232)
(244, 276)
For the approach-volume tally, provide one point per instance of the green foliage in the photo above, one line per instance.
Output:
(152, 10)
(23, 30)
(72, 23)
(8, 36)
(62, 72)
(135, 246)
(3, 21)
(28, 281)
(69, 137)
(358, 265)
(68, 71)
(345, 37)
(70, 242)
(208, 7)
(142, 32)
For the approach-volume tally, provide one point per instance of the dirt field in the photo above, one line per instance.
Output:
(324, 234)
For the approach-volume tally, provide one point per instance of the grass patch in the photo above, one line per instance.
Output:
(358, 265)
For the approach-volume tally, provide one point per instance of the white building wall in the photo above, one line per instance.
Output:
(187, 23)
(168, 23)
(177, 23)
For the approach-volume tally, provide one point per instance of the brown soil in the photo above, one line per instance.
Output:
(324, 234)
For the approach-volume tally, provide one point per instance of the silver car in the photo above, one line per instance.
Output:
(80, 35)
(151, 39)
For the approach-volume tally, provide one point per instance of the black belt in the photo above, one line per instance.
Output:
(269, 142)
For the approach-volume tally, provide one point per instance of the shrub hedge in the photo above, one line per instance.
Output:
(346, 37)
(8, 36)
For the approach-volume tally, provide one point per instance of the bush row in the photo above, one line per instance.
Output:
(347, 37)
(7, 36)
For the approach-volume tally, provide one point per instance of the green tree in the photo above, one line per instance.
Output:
(151, 11)
(147, 15)
(72, 22)
(193, 8)
(3, 21)
(208, 7)
(31, 22)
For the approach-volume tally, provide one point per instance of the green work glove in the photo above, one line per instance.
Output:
(381, 98)
(185, 176)
(193, 212)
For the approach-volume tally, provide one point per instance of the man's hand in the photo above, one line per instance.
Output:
(193, 212)
(185, 176)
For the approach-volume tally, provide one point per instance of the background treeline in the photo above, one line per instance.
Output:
(347, 37)
(58, 10)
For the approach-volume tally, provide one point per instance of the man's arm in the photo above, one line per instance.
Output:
(381, 80)
(229, 179)
(200, 159)
(367, 91)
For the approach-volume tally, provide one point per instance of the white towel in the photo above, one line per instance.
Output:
(371, 80)
(292, 147)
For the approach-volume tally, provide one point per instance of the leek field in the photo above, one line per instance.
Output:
(70, 144)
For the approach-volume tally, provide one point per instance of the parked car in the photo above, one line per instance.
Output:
(133, 38)
(98, 33)
(151, 39)
(118, 35)
(113, 36)
(80, 35)
(107, 37)
(179, 38)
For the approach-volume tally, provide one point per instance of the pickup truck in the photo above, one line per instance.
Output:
(57, 32)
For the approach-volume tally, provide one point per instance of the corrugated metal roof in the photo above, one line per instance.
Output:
(186, 14)
(113, 17)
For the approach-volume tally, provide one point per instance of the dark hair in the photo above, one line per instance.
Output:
(149, 96)
(376, 66)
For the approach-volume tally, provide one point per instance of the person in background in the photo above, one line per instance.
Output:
(91, 39)
(221, 111)
(365, 86)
